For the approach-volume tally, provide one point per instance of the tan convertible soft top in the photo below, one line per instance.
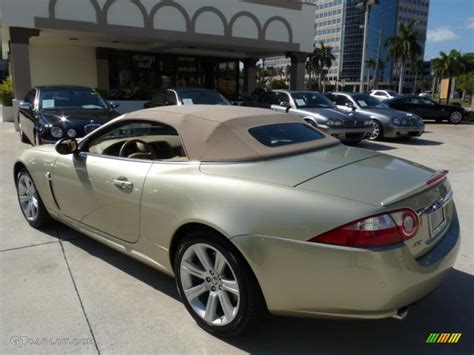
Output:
(220, 133)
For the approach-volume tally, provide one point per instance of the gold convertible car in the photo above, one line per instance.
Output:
(250, 210)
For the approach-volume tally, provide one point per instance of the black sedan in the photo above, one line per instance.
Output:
(186, 96)
(50, 113)
(428, 109)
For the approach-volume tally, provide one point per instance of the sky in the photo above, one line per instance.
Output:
(450, 26)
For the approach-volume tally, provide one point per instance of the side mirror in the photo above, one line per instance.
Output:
(350, 105)
(66, 146)
(285, 104)
(114, 105)
(25, 105)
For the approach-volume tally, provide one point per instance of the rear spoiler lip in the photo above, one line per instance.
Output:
(433, 180)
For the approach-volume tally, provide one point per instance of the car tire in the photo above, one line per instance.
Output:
(227, 298)
(30, 201)
(377, 133)
(455, 117)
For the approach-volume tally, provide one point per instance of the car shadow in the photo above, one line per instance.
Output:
(134, 268)
(447, 309)
(418, 141)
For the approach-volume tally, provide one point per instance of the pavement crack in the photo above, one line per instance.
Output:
(77, 293)
(28, 246)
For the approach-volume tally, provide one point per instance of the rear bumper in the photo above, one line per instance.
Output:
(308, 279)
(390, 131)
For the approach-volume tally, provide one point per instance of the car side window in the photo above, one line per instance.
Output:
(171, 98)
(341, 100)
(380, 93)
(159, 99)
(139, 140)
(281, 96)
(267, 98)
(30, 96)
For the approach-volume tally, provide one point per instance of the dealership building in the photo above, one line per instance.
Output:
(133, 45)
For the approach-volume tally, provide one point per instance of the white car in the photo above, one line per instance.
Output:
(384, 94)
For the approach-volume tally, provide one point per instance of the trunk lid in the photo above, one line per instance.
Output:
(394, 183)
(292, 170)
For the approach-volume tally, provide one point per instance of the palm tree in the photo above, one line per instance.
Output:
(404, 46)
(370, 64)
(280, 72)
(448, 66)
(287, 71)
(440, 69)
(378, 69)
(322, 59)
(417, 66)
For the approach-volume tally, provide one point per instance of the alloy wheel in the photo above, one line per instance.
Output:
(375, 132)
(209, 284)
(455, 117)
(28, 197)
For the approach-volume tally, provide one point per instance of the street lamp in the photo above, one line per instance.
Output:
(364, 4)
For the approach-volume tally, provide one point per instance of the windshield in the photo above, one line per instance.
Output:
(51, 99)
(367, 101)
(392, 93)
(202, 98)
(311, 100)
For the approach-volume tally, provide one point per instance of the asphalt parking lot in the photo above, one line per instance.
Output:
(80, 296)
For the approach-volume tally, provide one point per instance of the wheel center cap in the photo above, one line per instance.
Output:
(215, 280)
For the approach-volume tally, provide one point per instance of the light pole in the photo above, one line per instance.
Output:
(377, 63)
(364, 4)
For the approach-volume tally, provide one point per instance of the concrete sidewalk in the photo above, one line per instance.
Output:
(63, 292)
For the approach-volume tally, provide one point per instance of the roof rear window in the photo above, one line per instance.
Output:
(280, 134)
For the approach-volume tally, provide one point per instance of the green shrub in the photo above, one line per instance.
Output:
(6, 92)
(279, 84)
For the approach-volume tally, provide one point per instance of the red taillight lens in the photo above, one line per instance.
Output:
(375, 231)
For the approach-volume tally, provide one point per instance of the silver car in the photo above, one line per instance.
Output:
(318, 110)
(388, 122)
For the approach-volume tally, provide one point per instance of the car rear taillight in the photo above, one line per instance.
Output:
(374, 231)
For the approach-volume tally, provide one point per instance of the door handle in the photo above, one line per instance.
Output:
(123, 184)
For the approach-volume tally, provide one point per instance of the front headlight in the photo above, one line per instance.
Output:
(333, 123)
(56, 132)
(71, 132)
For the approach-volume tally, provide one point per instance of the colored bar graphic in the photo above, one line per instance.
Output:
(443, 338)
(432, 338)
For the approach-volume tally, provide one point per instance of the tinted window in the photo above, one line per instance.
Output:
(30, 96)
(342, 100)
(267, 98)
(281, 97)
(202, 98)
(71, 99)
(171, 98)
(159, 99)
(276, 135)
(311, 100)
